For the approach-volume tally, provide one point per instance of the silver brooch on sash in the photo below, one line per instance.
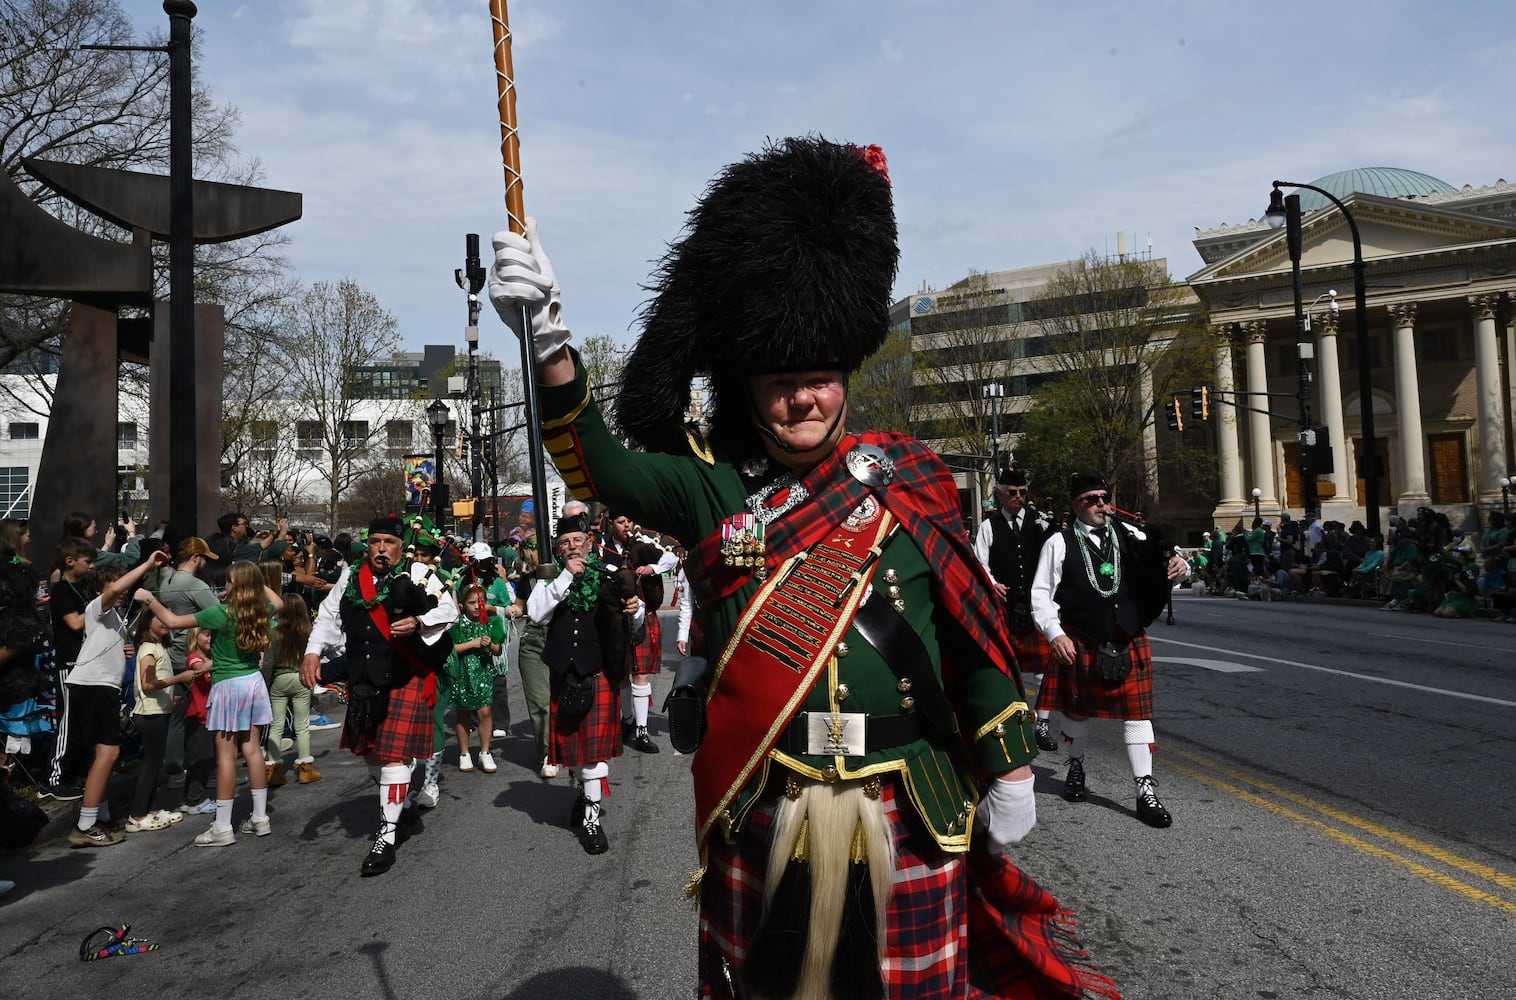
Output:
(869, 465)
(771, 502)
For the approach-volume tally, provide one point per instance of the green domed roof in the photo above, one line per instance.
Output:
(1386, 182)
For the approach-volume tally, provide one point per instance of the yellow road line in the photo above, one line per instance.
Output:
(1432, 851)
(1373, 850)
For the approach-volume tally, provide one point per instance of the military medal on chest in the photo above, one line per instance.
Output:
(742, 542)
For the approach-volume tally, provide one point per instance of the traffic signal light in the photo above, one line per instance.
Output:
(1200, 403)
(1175, 415)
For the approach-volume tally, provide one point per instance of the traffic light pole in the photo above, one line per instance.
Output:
(1309, 501)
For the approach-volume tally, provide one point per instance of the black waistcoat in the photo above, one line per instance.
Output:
(573, 643)
(1082, 610)
(1013, 556)
(613, 557)
(369, 655)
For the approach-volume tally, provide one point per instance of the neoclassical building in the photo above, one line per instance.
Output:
(1440, 275)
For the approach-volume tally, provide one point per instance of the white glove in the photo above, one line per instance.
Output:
(1007, 813)
(523, 276)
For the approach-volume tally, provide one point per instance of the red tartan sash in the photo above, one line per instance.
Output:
(780, 647)
(381, 619)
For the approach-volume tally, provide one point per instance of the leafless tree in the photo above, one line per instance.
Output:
(326, 336)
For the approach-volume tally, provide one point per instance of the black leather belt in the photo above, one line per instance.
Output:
(809, 733)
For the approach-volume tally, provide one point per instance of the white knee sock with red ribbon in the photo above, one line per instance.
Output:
(394, 782)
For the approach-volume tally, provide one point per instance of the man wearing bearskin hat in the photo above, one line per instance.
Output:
(1099, 584)
(869, 741)
(1008, 543)
(583, 720)
(396, 638)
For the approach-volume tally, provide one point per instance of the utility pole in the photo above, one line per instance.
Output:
(1304, 350)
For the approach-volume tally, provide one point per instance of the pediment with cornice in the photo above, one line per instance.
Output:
(1389, 228)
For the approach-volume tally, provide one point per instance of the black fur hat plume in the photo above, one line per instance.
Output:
(787, 263)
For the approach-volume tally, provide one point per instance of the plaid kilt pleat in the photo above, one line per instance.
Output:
(1033, 654)
(406, 731)
(928, 953)
(595, 737)
(647, 655)
(1077, 689)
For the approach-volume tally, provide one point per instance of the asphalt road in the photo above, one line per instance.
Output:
(1341, 781)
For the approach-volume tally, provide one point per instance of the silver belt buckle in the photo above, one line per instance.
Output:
(836, 734)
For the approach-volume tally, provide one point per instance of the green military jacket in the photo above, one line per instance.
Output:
(690, 496)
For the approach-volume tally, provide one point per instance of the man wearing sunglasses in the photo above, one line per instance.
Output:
(1008, 544)
(1095, 584)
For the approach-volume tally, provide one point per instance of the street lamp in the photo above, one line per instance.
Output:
(1257, 496)
(994, 392)
(1369, 464)
(437, 416)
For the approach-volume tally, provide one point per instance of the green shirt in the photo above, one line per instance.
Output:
(227, 658)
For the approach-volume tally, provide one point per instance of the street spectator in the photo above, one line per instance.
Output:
(286, 694)
(151, 712)
(239, 698)
(1404, 561)
(1459, 599)
(1258, 547)
(14, 537)
(199, 746)
(1290, 551)
(94, 706)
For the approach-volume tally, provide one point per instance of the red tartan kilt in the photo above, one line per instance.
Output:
(1077, 689)
(406, 731)
(647, 655)
(1033, 654)
(595, 737)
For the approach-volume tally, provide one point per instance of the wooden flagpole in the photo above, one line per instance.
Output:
(510, 157)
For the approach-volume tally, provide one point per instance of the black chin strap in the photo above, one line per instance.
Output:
(778, 442)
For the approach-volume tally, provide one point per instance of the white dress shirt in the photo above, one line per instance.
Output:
(327, 635)
(1050, 575)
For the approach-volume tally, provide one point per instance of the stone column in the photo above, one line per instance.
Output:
(1330, 384)
(1260, 439)
(1228, 448)
(1413, 469)
(1510, 388)
(1491, 406)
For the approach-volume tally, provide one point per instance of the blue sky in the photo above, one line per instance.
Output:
(1018, 133)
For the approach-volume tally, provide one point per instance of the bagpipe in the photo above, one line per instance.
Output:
(1151, 587)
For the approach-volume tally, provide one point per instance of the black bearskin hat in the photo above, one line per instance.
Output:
(786, 263)
(1083, 482)
(1011, 477)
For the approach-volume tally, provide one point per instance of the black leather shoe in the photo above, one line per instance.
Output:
(1073, 782)
(1149, 809)
(640, 740)
(380, 858)
(1045, 740)
(590, 833)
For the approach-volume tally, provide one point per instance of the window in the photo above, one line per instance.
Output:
(399, 436)
(126, 436)
(15, 492)
(354, 433)
(1447, 475)
(1439, 344)
(264, 437)
(1349, 347)
(25, 432)
(307, 437)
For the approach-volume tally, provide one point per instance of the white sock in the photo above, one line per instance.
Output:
(1139, 746)
(1073, 732)
(642, 695)
(87, 816)
(260, 803)
(595, 778)
(1044, 714)
(394, 780)
(224, 814)
(433, 770)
